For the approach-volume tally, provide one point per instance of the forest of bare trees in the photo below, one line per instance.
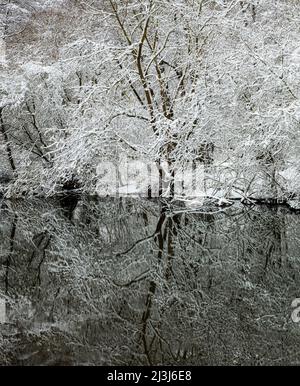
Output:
(168, 82)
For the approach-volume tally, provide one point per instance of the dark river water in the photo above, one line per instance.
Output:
(133, 282)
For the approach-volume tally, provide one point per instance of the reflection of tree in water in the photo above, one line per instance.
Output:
(131, 282)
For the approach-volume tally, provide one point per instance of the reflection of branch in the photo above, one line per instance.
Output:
(41, 238)
(157, 232)
(195, 241)
(11, 251)
(135, 280)
(162, 339)
(7, 143)
(145, 318)
(136, 244)
(42, 259)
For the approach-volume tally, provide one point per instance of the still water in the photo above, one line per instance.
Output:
(133, 282)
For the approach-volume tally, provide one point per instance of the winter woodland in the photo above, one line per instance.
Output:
(169, 82)
(149, 182)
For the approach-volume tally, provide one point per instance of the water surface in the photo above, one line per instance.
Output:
(129, 282)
